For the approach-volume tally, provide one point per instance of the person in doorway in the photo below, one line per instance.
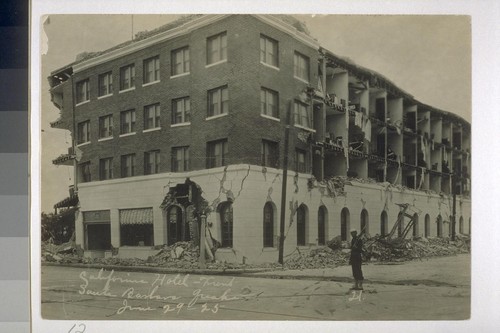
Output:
(355, 260)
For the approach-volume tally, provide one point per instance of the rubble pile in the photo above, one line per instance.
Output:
(179, 255)
(337, 252)
(409, 249)
(317, 258)
(64, 253)
(184, 255)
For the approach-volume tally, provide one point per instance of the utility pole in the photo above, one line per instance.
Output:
(283, 187)
(454, 191)
(202, 241)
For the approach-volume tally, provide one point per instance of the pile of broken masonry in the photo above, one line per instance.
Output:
(184, 255)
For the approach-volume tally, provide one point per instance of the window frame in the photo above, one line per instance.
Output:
(299, 116)
(301, 67)
(185, 112)
(221, 108)
(130, 71)
(156, 119)
(131, 125)
(84, 171)
(226, 216)
(107, 129)
(220, 54)
(265, 93)
(82, 91)
(213, 160)
(106, 168)
(124, 168)
(105, 80)
(152, 166)
(302, 224)
(83, 132)
(264, 54)
(154, 73)
(302, 168)
(184, 63)
(182, 164)
(265, 153)
(268, 225)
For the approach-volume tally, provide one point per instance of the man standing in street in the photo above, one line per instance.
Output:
(355, 260)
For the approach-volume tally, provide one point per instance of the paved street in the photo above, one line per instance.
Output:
(432, 289)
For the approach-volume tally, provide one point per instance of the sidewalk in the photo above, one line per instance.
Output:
(444, 271)
(451, 270)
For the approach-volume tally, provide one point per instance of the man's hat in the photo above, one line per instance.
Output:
(354, 230)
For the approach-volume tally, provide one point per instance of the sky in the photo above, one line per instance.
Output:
(427, 56)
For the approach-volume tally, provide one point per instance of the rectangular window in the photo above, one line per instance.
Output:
(152, 116)
(301, 66)
(216, 48)
(218, 101)
(216, 153)
(106, 126)
(301, 115)
(127, 122)
(97, 230)
(127, 77)
(128, 165)
(300, 161)
(106, 168)
(180, 159)
(270, 154)
(82, 91)
(152, 70)
(181, 109)
(151, 162)
(268, 51)
(105, 84)
(84, 172)
(180, 61)
(136, 227)
(269, 103)
(83, 132)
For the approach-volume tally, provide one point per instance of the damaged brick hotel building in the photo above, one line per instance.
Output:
(191, 119)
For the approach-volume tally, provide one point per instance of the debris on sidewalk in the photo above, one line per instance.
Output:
(65, 252)
(184, 255)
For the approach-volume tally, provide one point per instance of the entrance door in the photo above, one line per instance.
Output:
(174, 220)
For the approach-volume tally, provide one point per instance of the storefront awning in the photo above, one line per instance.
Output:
(136, 216)
(68, 202)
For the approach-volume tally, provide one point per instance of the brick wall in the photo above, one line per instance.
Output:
(243, 74)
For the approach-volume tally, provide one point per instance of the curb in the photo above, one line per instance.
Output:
(164, 270)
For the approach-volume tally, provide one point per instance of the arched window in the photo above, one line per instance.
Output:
(268, 225)
(301, 225)
(174, 220)
(461, 225)
(322, 225)
(427, 225)
(401, 223)
(225, 211)
(383, 223)
(415, 225)
(344, 224)
(363, 225)
(439, 226)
